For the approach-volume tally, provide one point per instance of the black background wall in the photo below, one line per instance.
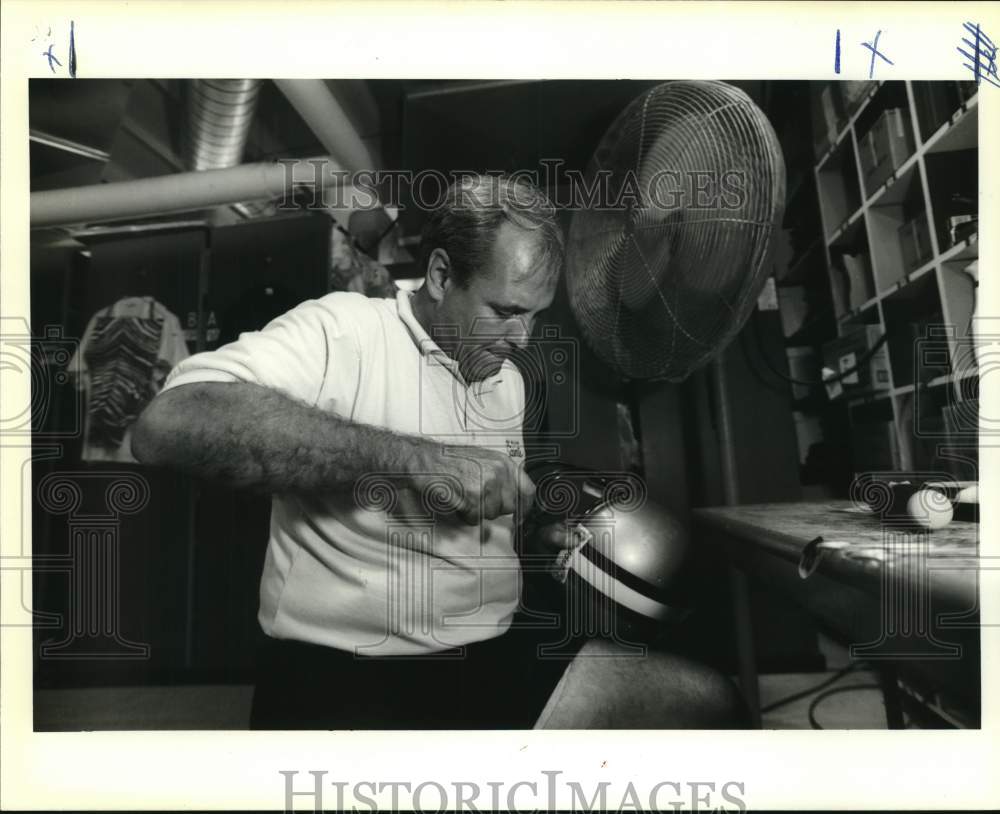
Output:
(188, 562)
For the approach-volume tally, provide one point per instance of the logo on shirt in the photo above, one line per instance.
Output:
(514, 449)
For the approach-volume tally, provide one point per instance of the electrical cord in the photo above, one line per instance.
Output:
(752, 367)
(862, 360)
(804, 693)
(822, 696)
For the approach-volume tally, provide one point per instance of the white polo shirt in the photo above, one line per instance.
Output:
(379, 571)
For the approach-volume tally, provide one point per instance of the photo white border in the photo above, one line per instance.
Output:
(239, 770)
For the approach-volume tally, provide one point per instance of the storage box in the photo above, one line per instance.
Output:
(859, 286)
(842, 354)
(962, 226)
(891, 143)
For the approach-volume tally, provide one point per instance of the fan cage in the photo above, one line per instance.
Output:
(661, 285)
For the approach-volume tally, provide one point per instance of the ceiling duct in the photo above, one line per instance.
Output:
(220, 113)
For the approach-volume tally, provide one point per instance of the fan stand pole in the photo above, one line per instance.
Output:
(737, 579)
(630, 437)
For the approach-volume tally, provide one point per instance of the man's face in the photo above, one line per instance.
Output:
(496, 312)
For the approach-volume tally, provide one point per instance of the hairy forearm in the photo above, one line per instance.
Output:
(253, 436)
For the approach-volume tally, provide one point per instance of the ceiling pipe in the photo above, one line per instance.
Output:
(180, 192)
(330, 123)
(324, 115)
(67, 145)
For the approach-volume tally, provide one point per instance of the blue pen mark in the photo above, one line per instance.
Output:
(72, 50)
(836, 54)
(982, 57)
(873, 47)
(51, 58)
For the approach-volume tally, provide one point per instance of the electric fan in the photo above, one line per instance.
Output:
(664, 267)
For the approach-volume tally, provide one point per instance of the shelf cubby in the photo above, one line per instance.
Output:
(866, 315)
(806, 265)
(838, 187)
(924, 429)
(953, 187)
(937, 103)
(958, 300)
(851, 261)
(884, 135)
(890, 95)
(898, 225)
(874, 446)
(919, 346)
(899, 186)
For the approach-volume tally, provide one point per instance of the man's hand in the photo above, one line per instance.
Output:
(492, 484)
(549, 539)
(556, 537)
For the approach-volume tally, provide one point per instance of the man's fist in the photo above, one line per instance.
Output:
(492, 484)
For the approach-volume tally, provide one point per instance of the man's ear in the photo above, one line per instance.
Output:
(438, 277)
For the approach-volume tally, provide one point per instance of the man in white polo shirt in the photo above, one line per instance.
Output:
(389, 434)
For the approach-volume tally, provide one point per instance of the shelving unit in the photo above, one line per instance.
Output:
(897, 192)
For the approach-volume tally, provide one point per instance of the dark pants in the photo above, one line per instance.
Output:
(502, 683)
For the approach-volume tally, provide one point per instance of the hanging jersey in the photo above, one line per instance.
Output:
(127, 351)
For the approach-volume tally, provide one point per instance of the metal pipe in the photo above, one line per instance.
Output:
(67, 145)
(220, 112)
(324, 115)
(738, 583)
(467, 86)
(724, 420)
(178, 193)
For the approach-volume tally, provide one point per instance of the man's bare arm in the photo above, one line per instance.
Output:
(253, 436)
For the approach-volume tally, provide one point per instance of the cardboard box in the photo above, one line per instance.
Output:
(842, 354)
(891, 144)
